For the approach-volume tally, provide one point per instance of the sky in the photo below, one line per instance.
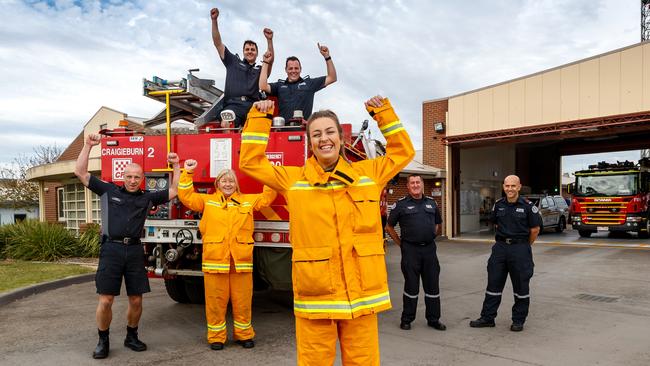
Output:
(63, 60)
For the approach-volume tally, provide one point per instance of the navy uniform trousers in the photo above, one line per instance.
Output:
(420, 261)
(515, 260)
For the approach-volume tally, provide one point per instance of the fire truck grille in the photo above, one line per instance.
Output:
(604, 213)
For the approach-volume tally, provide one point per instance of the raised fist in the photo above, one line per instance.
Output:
(93, 139)
(214, 14)
(268, 33)
(376, 101)
(190, 165)
(264, 106)
(172, 158)
(268, 56)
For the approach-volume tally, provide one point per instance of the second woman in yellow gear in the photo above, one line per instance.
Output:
(227, 234)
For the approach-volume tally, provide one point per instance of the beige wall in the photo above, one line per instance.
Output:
(611, 84)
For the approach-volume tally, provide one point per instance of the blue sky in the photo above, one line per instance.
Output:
(63, 60)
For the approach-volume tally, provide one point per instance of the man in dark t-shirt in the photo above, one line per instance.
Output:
(296, 93)
(242, 76)
(123, 210)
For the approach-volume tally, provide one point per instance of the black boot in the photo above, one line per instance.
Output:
(131, 341)
(101, 351)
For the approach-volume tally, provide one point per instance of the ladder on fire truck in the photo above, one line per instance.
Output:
(192, 99)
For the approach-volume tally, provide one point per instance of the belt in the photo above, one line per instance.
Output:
(243, 98)
(124, 240)
(421, 244)
(509, 241)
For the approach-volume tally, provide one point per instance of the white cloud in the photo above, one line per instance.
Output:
(61, 62)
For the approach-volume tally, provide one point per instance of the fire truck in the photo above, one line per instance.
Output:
(171, 239)
(612, 197)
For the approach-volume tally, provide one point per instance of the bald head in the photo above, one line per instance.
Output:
(512, 179)
(511, 186)
(133, 175)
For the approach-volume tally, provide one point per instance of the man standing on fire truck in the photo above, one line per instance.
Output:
(296, 93)
(124, 210)
(242, 77)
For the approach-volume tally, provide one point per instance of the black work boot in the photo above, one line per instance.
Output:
(517, 327)
(101, 351)
(481, 323)
(131, 341)
(246, 343)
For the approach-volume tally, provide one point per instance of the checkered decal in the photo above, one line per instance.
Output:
(118, 168)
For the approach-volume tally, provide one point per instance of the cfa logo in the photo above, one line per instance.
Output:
(118, 168)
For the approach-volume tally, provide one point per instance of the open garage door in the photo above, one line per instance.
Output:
(479, 162)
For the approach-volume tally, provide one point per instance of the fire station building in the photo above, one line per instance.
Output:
(524, 126)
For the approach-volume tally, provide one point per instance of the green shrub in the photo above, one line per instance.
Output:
(3, 241)
(88, 242)
(35, 240)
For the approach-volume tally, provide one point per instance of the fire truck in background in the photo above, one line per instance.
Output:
(612, 197)
(171, 239)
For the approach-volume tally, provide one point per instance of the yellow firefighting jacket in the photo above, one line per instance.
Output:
(226, 226)
(338, 266)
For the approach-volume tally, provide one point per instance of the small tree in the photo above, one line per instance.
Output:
(14, 187)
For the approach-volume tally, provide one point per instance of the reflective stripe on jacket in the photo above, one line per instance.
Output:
(339, 270)
(226, 226)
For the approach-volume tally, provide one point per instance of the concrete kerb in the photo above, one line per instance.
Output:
(24, 292)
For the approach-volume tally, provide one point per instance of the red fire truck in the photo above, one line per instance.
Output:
(612, 197)
(171, 238)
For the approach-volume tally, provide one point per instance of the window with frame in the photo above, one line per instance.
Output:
(74, 206)
(59, 204)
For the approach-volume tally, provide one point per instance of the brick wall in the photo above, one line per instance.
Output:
(433, 149)
(50, 202)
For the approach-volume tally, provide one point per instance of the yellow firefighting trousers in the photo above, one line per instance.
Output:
(219, 289)
(358, 338)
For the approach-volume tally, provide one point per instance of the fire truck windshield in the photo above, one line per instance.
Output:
(607, 185)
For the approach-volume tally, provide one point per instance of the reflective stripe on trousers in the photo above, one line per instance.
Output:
(515, 260)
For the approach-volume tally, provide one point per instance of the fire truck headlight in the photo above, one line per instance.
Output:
(258, 237)
(275, 237)
(634, 219)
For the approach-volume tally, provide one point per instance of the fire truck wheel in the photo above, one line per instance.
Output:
(176, 290)
(561, 225)
(584, 233)
(195, 289)
(646, 233)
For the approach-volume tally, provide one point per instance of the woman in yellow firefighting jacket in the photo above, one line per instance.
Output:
(227, 233)
(339, 273)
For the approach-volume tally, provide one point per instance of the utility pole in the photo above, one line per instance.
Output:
(645, 20)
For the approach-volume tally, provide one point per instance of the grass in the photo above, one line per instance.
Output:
(16, 274)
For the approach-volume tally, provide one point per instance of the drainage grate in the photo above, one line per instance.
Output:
(598, 298)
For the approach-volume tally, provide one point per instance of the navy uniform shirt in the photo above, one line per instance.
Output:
(298, 95)
(242, 78)
(514, 220)
(123, 212)
(417, 219)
